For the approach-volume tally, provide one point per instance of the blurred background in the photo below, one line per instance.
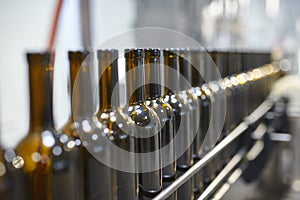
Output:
(216, 24)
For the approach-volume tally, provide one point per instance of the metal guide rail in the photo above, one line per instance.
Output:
(257, 114)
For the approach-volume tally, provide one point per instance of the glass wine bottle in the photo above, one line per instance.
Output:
(188, 92)
(111, 115)
(99, 179)
(165, 114)
(147, 125)
(45, 153)
(12, 178)
(181, 109)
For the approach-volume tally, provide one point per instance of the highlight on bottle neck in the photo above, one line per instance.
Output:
(76, 58)
(185, 68)
(108, 75)
(81, 84)
(41, 86)
(171, 62)
(135, 75)
(197, 67)
(152, 73)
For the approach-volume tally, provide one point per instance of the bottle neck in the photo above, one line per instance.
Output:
(135, 77)
(40, 84)
(197, 68)
(152, 76)
(108, 72)
(171, 67)
(234, 63)
(185, 71)
(81, 86)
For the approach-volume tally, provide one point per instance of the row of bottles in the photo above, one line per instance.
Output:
(168, 116)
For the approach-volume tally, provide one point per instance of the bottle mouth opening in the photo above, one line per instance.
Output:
(42, 56)
(134, 53)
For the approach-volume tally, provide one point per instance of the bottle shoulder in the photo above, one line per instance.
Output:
(36, 148)
(42, 147)
(142, 114)
(162, 109)
(116, 122)
(70, 129)
(178, 104)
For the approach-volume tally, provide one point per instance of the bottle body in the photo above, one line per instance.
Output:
(45, 153)
(208, 100)
(36, 151)
(117, 125)
(147, 127)
(198, 97)
(74, 178)
(12, 178)
(99, 179)
(167, 120)
(181, 110)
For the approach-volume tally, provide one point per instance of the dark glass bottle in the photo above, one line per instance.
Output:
(165, 114)
(219, 128)
(204, 97)
(147, 125)
(116, 122)
(76, 155)
(209, 171)
(99, 179)
(6, 181)
(238, 109)
(12, 178)
(188, 92)
(181, 109)
(226, 88)
(45, 157)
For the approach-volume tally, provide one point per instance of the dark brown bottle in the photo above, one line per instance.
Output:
(147, 123)
(12, 178)
(99, 179)
(209, 171)
(181, 109)
(188, 92)
(221, 60)
(219, 94)
(75, 176)
(165, 114)
(226, 88)
(44, 157)
(204, 98)
(116, 122)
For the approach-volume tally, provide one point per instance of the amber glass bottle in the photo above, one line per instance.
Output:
(35, 148)
(116, 122)
(12, 178)
(147, 123)
(70, 128)
(204, 97)
(6, 189)
(188, 92)
(181, 109)
(165, 113)
(99, 180)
